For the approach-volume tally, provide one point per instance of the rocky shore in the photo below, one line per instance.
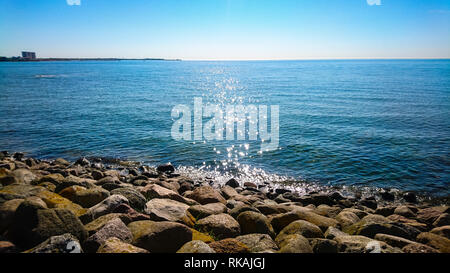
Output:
(97, 206)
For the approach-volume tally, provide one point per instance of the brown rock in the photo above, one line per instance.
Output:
(206, 194)
(229, 246)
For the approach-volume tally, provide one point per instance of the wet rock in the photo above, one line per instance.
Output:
(106, 206)
(232, 183)
(114, 228)
(442, 231)
(294, 243)
(115, 245)
(196, 247)
(159, 237)
(258, 242)
(438, 242)
(320, 245)
(166, 168)
(410, 197)
(254, 222)
(82, 162)
(229, 246)
(387, 195)
(66, 243)
(169, 210)
(135, 198)
(202, 211)
(220, 226)
(322, 199)
(206, 194)
(370, 203)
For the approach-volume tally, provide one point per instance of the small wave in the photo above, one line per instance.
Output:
(45, 76)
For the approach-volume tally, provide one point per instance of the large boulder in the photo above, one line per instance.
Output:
(152, 191)
(65, 243)
(205, 195)
(442, 231)
(347, 218)
(373, 224)
(419, 248)
(19, 191)
(54, 200)
(320, 245)
(220, 226)
(114, 245)
(114, 228)
(229, 245)
(100, 222)
(280, 221)
(258, 242)
(202, 211)
(362, 244)
(393, 240)
(159, 237)
(254, 222)
(169, 210)
(442, 220)
(135, 198)
(85, 197)
(294, 243)
(7, 210)
(438, 242)
(429, 215)
(106, 206)
(196, 246)
(304, 228)
(32, 224)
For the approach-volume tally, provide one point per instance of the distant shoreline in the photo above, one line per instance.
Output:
(14, 59)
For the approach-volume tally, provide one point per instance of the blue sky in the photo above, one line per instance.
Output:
(227, 29)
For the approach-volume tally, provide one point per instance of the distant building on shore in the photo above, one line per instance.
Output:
(28, 55)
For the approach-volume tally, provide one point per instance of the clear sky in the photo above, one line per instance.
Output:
(226, 29)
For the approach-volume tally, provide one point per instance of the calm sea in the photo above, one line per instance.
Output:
(369, 123)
